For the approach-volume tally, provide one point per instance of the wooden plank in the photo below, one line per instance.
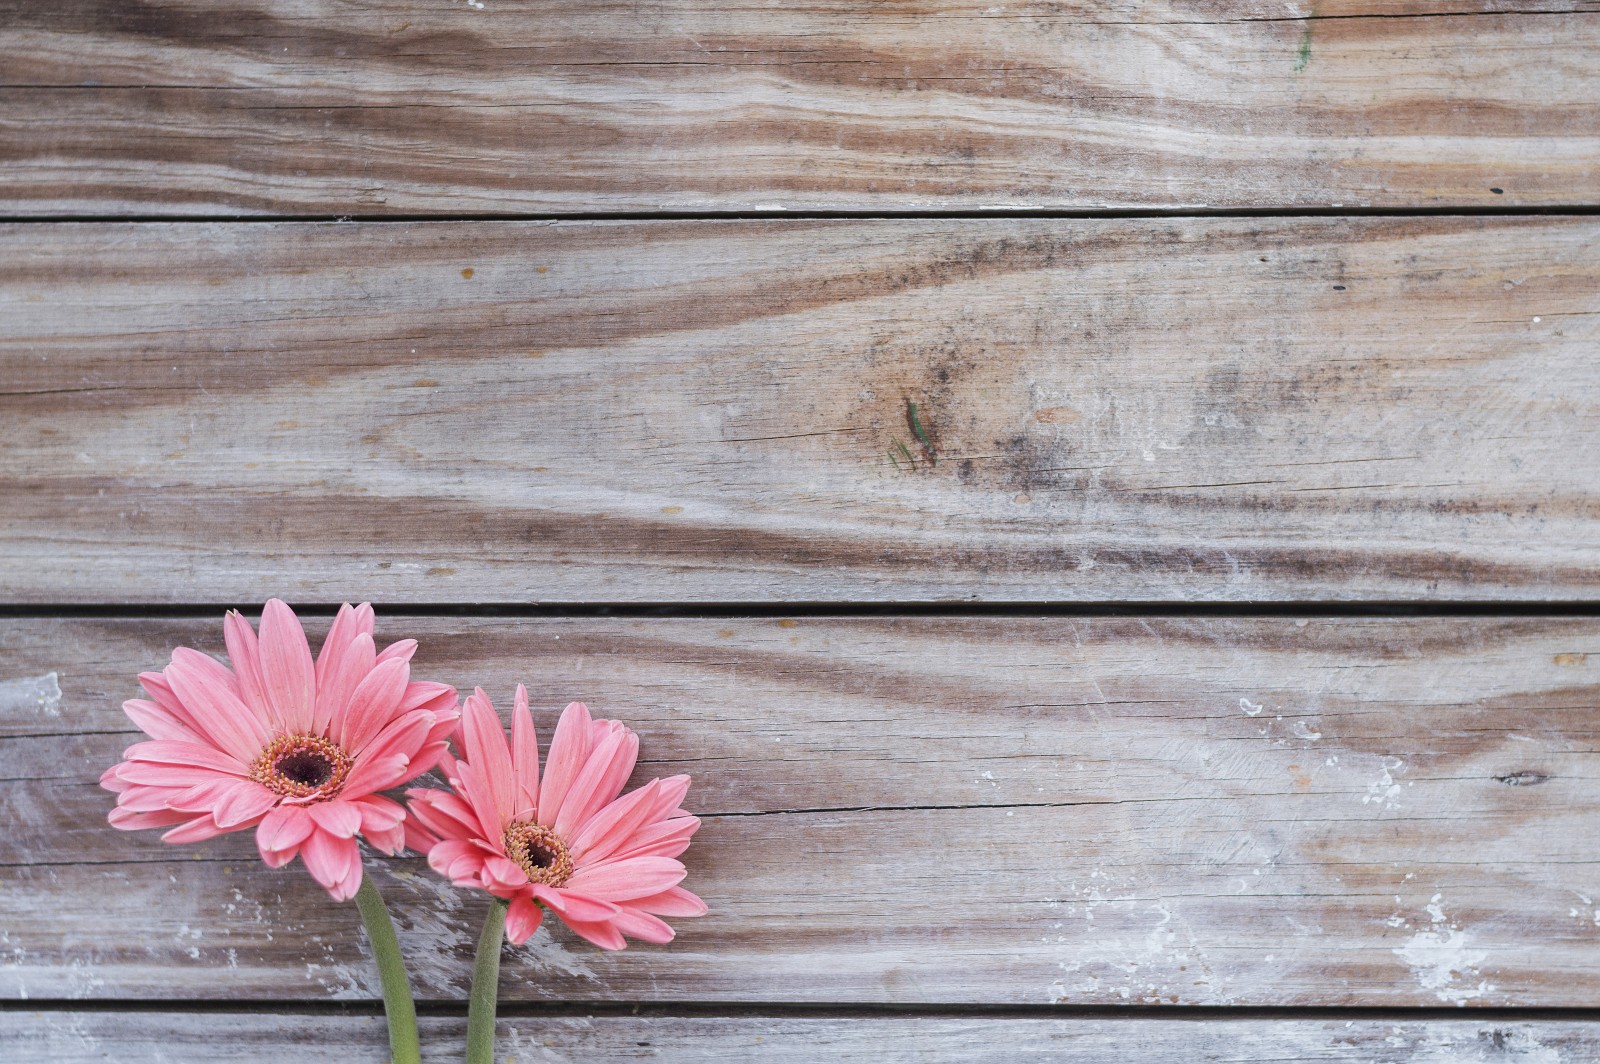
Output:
(174, 1038)
(1271, 811)
(173, 107)
(1044, 410)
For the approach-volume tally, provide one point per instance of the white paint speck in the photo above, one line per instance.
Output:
(1385, 792)
(1441, 959)
(1251, 709)
(37, 694)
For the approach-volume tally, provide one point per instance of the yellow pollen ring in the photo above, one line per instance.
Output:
(302, 766)
(540, 852)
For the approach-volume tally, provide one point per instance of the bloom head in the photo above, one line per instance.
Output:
(606, 865)
(293, 748)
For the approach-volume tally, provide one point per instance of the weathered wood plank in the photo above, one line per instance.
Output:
(174, 1038)
(420, 106)
(1228, 811)
(902, 410)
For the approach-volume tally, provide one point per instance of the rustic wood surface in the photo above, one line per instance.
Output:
(1044, 410)
(171, 107)
(177, 1038)
(1024, 811)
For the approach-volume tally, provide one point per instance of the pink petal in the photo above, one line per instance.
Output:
(339, 819)
(584, 796)
(636, 877)
(377, 774)
(196, 830)
(615, 776)
(177, 752)
(444, 814)
(667, 838)
(330, 860)
(372, 705)
(348, 623)
(568, 752)
(456, 860)
(154, 774)
(129, 820)
(417, 836)
(402, 650)
(674, 901)
(390, 840)
(242, 804)
(158, 723)
(502, 874)
(285, 828)
(425, 694)
(522, 920)
(379, 813)
(608, 829)
(245, 654)
(603, 934)
(472, 786)
(286, 669)
(575, 905)
(209, 692)
(486, 750)
(524, 757)
(642, 926)
(353, 666)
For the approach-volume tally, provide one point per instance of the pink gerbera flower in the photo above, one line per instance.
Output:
(606, 865)
(295, 749)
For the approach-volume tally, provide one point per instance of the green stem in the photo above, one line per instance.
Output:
(397, 1004)
(486, 986)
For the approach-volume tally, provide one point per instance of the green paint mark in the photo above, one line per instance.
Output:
(910, 461)
(1305, 49)
(921, 433)
(896, 462)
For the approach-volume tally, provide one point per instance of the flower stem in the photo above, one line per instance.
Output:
(486, 986)
(398, 1007)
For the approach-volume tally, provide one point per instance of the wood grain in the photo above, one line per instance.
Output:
(173, 107)
(1271, 811)
(1038, 410)
(176, 1038)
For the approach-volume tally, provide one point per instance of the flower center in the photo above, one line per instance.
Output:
(302, 766)
(540, 852)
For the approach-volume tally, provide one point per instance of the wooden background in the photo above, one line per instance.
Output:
(1102, 497)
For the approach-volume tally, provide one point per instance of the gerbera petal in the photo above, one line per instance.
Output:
(425, 694)
(522, 919)
(285, 828)
(616, 775)
(583, 797)
(501, 874)
(353, 665)
(129, 820)
(674, 901)
(456, 860)
(178, 752)
(443, 814)
(637, 877)
(378, 774)
(212, 697)
(154, 774)
(487, 752)
(371, 706)
(158, 723)
(400, 650)
(389, 840)
(603, 934)
(348, 623)
(242, 803)
(286, 669)
(197, 830)
(524, 757)
(339, 819)
(608, 829)
(329, 859)
(642, 926)
(379, 813)
(475, 790)
(244, 652)
(575, 904)
(568, 752)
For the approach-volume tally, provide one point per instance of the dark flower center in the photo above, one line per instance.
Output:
(540, 852)
(302, 766)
